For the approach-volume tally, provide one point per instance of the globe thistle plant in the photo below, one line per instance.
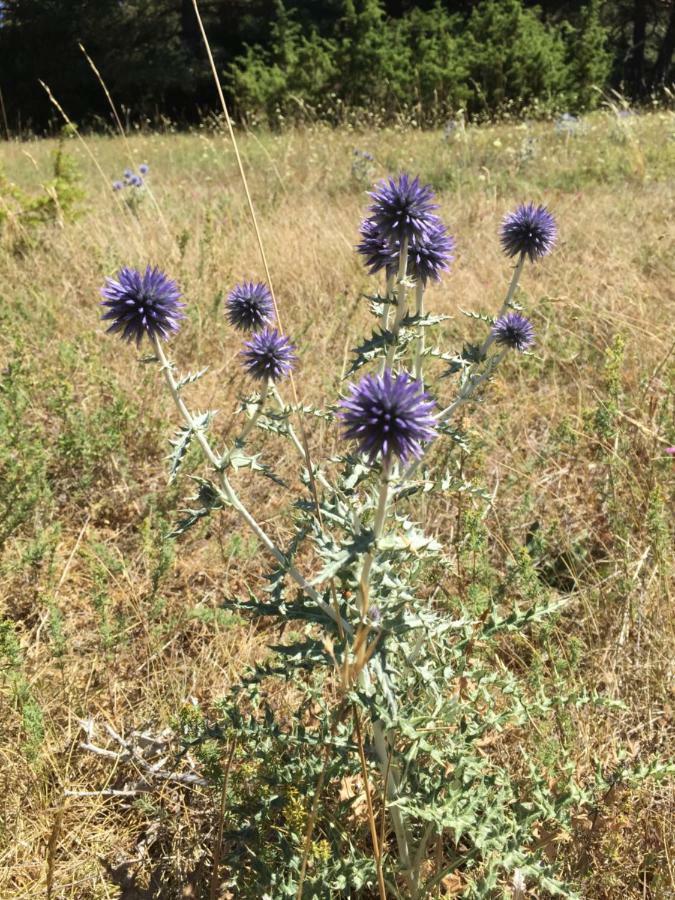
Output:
(142, 304)
(250, 306)
(529, 231)
(144, 168)
(402, 208)
(514, 331)
(388, 415)
(269, 355)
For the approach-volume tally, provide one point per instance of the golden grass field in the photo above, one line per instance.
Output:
(104, 619)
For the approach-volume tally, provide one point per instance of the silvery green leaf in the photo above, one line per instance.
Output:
(181, 445)
(208, 498)
(191, 377)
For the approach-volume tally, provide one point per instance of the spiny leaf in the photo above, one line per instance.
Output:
(191, 377)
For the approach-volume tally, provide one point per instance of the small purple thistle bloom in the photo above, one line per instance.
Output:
(117, 185)
(128, 175)
(142, 304)
(402, 208)
(389, 415)
(376, 249)
(144, 168)
(250, 306)
(530, 231)
(136, 181)
(269, 355)
(515, 331)
(432, 254)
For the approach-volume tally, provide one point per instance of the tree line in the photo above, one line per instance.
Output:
(284, 60)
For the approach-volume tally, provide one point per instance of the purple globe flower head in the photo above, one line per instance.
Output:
(117, 185)
(529, 231)
(388, 415)
(142, 304)
(432, 254)
(402, 208)
(515, 331)
(269, 355)
(136, 181)
(144, 168)
(128, 175)
(250, 306)
(376, 249)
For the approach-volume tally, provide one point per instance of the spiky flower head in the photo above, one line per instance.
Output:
(375, 248)
(269, 355)
(142, 304)
(136, 181)
(250, 306)
(388, 415)
(117, 185)
(128, 174)
(530, 230)
(144, 168)
(432, 254)
(428, 256)
(402, 208)
(514, 331)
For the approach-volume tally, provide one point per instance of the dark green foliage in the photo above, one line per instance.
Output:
(294, 59)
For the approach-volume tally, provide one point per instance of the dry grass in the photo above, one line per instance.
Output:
(112, 624)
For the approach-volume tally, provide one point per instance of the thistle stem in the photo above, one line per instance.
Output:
(400, 302)
(421, 339)
(298, 445)
(386, 309)
(515, 278)
(229, 495)
(250, 425)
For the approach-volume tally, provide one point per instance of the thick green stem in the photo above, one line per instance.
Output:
(421, 338)
(400, 303)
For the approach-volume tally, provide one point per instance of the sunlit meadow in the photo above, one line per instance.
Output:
(559, 495)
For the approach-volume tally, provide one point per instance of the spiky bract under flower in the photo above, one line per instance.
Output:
(141, 304)
(250, 306)
(402, 208)
(530, 230)
(514, 331)
(388, 415)
(269, 355)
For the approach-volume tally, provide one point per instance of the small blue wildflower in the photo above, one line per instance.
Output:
(250, 306)
(514, 331)
(142, 304)
(136, 181)
(269, 355)
(530, 230)
(144, 168)
(388, 415)
(128, 175)
(402, 208)
(117, 185)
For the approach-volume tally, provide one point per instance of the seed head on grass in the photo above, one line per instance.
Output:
(250, 306)
(269, 355)
(514, 331)
(402, 208)
(388, 415)
(530, 230)
(142, 304)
